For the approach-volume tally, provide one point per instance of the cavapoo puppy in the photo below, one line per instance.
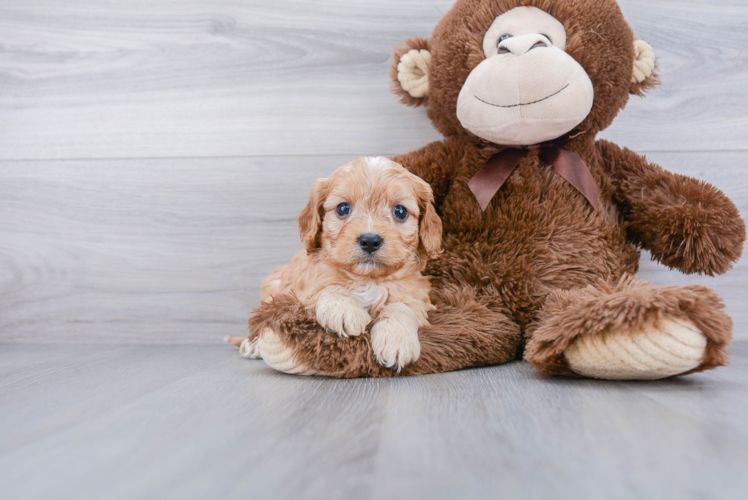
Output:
(367, 230)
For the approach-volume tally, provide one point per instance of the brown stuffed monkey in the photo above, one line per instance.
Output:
(543, 223)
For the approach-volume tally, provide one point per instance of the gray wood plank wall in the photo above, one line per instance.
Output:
(154, 155)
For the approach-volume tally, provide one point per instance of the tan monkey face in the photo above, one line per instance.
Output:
(375, 218)
(528, 90)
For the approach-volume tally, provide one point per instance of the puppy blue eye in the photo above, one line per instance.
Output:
(400, 212)
(504, 37)
(343, 210)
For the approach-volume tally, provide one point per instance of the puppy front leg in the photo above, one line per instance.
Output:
(394, 337)
(338, 311)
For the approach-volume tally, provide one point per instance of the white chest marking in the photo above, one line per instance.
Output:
(369, 294)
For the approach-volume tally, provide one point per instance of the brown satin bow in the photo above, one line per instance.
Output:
(569, 165)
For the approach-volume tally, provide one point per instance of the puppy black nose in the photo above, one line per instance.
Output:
(370, 243)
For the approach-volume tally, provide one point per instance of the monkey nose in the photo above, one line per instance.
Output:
(519, 45)
(370, 242)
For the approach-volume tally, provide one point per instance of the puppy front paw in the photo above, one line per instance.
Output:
(343, 316)
(395, 342)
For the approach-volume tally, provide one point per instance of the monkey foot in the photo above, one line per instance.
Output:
(250, 349)
(630, 330)
(279, 356)
(669, 348)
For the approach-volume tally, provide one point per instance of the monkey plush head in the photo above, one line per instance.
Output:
(523, 72)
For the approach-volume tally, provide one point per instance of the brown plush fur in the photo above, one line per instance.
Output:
(540, 259)
(597, 308)
(463, 332)
(687, 224)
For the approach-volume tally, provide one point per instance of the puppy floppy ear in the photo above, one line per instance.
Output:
(645, 76)
(410, 71)
(310, 219)
(430, 225)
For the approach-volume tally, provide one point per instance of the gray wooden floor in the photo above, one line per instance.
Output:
(153, 159)
(198, 422)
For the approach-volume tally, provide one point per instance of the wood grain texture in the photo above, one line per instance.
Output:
(189, 78)
(127, 251)
(111, 422)
(156, 157)
(157, 250)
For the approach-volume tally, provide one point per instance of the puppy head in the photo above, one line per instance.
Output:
(371, 218)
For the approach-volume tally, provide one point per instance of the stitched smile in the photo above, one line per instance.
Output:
(524, 103)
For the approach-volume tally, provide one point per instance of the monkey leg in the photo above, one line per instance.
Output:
(629, 331)
(465, 331)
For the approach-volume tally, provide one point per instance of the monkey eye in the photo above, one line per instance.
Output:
(504, 37)
(400, 212)
(343, 210)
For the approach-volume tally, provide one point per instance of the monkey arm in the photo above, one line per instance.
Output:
(685, 223)
(434, 164)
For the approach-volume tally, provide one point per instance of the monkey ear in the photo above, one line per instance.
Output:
(310, 219)
(410, 71)
(645, 75)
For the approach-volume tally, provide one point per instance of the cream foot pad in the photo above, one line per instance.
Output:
(278, 356)
(670, 348)
(250, 349)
